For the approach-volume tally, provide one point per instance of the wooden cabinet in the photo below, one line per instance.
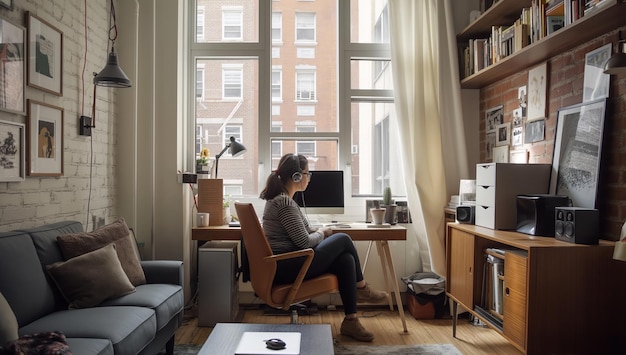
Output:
(504, 12)
(559, 298)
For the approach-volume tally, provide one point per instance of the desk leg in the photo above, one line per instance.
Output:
(455, 306)
(384, 263)
(383, 246)
(367, 255)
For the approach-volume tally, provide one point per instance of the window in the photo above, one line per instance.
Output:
(277, 89)
(232, 79)
(305, 85)
(199, 82)
(232, 20)
(305, 26)
(277, 146)
(264, 89)
(277, 27)
(200, 24)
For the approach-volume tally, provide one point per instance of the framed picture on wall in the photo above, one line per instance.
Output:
(503, 134)
(493, 117)
(7, 4)
(596, 83)
(577, 152)
(45, 55)
(12, 138)
(45, 139)
(12, 67)
(537, 84)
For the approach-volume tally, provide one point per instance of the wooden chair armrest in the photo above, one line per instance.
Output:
(290, 255)
(308, 253)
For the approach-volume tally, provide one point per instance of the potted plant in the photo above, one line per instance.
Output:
(202, 163)
(377, 213)
(226, 206)
(390, 206)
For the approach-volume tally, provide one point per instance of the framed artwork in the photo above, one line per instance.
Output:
(519, 156)
(503, 134)
(596, 83)
(517, 136)
(537, 82)
(501, 154)
(7, 4)
(12, 67)
(490, 142)
(45, 139)
(535, 131)
(577, 152)
(45, 55)
(493, 117)
(12, 157)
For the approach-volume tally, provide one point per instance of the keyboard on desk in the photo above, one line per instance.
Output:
(338, 225)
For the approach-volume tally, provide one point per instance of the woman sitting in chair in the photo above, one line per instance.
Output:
(288, 230)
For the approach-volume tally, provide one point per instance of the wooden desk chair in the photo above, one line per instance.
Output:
(263, 266)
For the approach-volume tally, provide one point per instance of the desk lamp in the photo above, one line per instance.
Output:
(236, 149)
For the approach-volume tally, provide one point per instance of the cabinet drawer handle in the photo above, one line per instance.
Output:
(506, 291)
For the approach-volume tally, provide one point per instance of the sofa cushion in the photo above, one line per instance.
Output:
(72, 245)
(8, 322)
(23, 282)
(90, 346)
(166, 300)
(129, 329)
(89, 279)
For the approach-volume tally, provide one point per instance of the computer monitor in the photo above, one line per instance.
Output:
(324, 195)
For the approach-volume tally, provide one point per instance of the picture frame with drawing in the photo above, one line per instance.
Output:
(45, 59)
(45, 139)
(12, 157)
(578, 151)
(13, 73)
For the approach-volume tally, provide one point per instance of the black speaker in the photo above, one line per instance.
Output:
(535, 213)
(577, 225)
(465, 214)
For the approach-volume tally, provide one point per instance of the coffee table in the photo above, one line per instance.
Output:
(316, 338)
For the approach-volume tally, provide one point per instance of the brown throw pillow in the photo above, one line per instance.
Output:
(72, 245)
(89, 279)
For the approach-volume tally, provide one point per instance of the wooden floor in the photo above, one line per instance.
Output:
(386, 326)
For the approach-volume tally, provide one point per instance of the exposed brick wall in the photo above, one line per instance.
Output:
(39, 200)
(565, 87)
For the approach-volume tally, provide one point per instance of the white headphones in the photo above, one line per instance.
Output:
(296, 176)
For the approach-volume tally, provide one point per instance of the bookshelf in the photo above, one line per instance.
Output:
(605, 18)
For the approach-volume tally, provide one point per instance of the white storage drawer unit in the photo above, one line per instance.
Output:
(497, 187)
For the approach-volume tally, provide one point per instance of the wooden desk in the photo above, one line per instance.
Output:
(358, 232)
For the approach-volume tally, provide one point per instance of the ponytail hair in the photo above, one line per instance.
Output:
(277, 181)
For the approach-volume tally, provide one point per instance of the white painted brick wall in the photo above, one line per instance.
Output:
(39, 200)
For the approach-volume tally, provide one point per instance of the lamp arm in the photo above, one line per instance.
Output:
(217, 157)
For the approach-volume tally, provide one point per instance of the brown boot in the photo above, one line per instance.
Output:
(370, 295)
(353, 328)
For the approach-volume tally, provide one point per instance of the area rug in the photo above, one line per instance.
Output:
(420, 349)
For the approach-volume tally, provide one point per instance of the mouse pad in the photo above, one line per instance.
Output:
(253, 343)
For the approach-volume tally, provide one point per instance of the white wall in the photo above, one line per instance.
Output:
(39, 200)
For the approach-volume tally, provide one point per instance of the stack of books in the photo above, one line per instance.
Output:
(454, 201)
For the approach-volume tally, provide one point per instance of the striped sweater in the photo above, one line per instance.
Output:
(285, 226)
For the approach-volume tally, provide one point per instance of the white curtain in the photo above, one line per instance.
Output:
(430, 121)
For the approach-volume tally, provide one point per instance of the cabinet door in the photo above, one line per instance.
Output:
(514, 322)
(461, 267)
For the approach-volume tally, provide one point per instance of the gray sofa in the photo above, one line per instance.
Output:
(141, 322)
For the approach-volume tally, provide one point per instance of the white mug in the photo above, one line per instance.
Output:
(202, 219)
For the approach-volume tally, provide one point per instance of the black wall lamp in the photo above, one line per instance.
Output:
(110, 76)
(617, 63)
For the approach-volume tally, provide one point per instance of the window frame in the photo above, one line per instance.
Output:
(262, 52)
(238, 16)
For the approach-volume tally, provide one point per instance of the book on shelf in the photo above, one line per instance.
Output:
(554, 23)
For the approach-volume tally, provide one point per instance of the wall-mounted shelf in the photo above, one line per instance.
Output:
(609, 17)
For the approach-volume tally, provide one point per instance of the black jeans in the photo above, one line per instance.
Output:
(336, 255)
